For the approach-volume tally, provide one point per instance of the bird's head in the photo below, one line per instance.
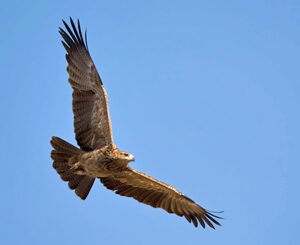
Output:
(121, 156)
(127, 156)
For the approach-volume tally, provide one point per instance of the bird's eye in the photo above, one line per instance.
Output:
(126, 154)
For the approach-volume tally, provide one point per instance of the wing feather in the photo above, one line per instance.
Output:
(92, 123)
(157, 194)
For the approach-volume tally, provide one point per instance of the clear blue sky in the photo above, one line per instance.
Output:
(205, 94)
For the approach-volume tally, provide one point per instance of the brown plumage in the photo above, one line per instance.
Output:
(98, 157)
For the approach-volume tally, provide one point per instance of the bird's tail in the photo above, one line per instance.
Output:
(63, 154)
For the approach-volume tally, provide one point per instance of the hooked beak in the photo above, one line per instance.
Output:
(132, 157)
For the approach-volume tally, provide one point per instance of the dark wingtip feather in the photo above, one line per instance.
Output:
(71, 20)
(65, 24)
(72, 35)
(194, 220)
(85, 37)
(65, 46)
(74, 39)
(201, 222)
(187, 218)
(207, 221)
(80, 33)
(212, 213)
(75, 31)
(212, 219)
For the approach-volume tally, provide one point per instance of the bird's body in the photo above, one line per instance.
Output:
(103, 162)
(98, 157)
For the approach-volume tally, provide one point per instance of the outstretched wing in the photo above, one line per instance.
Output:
(157, 194)
(90, 106)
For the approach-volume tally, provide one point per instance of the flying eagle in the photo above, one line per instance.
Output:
(98, 157)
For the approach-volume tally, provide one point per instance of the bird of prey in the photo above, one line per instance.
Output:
(98, 157)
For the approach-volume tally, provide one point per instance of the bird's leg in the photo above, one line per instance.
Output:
(76, 166)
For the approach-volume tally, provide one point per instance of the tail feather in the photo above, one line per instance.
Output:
(84, 187)
(62, 154)
(63, 147)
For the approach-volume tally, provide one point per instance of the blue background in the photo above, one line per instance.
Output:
(205, 94)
